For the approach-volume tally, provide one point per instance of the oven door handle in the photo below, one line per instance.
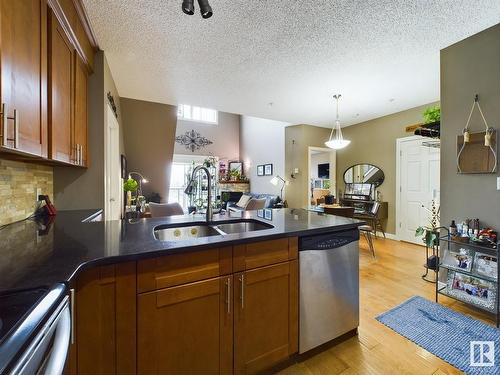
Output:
(57, 360)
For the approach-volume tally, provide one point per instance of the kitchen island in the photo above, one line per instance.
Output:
(223, 303)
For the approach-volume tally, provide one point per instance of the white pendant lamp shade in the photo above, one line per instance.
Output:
(336, 140)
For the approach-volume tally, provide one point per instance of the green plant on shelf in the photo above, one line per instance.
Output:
(432, 114)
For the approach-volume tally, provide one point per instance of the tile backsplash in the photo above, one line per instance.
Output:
(18, 185)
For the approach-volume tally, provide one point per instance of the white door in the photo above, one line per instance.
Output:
(113, 181)
(418, 180)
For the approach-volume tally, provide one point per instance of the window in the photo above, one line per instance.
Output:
(198, 114)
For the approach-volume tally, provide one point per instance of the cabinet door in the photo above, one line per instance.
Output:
(105, 313)
(266, 317)
(60, 94)
(80, 123)
(186, 329)
(23, 60)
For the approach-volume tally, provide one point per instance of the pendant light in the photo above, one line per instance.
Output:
(336, 140)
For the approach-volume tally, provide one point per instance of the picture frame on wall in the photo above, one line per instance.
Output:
(236, 166)
(268, 169)
(260, 170)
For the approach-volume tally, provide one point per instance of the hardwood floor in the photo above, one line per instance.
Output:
(386, 281)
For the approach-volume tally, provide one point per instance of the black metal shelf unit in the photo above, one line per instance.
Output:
(468, 272)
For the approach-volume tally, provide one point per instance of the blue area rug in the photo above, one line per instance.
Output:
(447, 334)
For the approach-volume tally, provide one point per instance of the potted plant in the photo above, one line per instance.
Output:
(430, 233)
(234, 175)
(432, 115)
(130, 186)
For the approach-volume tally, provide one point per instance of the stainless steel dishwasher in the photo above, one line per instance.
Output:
(329, 287)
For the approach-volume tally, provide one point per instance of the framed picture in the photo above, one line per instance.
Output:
(260, 213)
(486, 265)
(260, 170)
(268, 170)
(471, 289)
(459, 259)
(237, 166)
(268, 214)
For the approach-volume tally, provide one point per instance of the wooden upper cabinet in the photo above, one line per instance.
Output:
(73, 12)
(81, 112)
(23, 64)
(60, 94)
(266, 317)
(186, 329)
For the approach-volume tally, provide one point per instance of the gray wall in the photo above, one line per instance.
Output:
(225, 136)
(149, 142)
(76, 188)
(262, 141)
(468, 67)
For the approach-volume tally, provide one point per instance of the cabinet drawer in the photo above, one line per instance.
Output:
(264, 253)
(172, 270)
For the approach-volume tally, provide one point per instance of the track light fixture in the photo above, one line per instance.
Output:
(188, 7)
(205, 8)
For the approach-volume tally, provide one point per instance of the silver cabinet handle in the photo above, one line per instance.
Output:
(5, 119)
(242, 294)
(228, 295)
(72, 307)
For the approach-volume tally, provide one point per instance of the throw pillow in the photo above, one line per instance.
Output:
(243, 201)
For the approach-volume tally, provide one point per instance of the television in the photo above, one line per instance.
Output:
(324, 170)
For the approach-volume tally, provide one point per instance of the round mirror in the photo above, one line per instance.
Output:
(364, 174)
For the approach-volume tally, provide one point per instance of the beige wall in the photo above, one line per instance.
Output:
(469, 67)
(374, 142)
(296, 156)
(76, 188)
(149, 141)
(225, 137)
(18, 188)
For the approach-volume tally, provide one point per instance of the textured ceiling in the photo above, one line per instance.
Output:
(381, 55)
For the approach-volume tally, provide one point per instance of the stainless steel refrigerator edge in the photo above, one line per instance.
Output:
(329, 287)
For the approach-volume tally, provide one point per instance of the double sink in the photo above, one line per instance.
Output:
(182, 232)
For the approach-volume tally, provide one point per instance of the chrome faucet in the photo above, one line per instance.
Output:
(190, 187)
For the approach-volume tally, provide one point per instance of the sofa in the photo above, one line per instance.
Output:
(270, 201)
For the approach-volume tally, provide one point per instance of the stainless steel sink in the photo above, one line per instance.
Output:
(182, 233)
(186, 232)
(241, 227)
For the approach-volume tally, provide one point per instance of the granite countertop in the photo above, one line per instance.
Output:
(37, 253)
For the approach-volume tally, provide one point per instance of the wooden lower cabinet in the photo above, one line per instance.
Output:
(186, 329)
(184, 314)
(265, 317)
(105, 321)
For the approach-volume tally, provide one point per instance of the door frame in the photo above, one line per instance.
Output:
(333, 171)
(112, 127)
(399, 142)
